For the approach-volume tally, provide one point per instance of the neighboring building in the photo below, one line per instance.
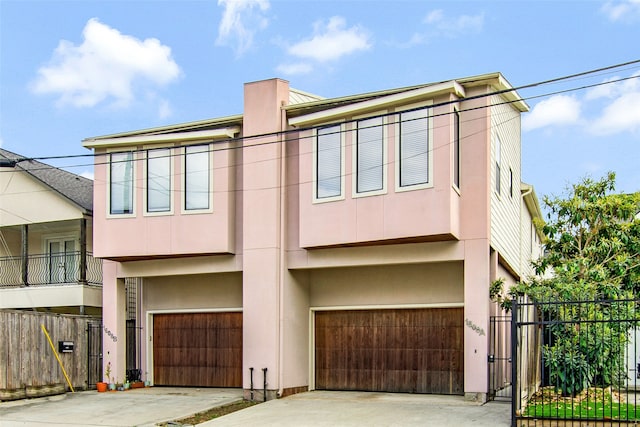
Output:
(343, 243)
(46, 239)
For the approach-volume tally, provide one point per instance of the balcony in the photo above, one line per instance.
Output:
(50, 270)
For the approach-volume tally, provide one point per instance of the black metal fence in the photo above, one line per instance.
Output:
(50, 269)
(575, 361)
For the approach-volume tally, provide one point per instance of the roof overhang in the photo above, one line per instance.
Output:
(194, 136)
(378, 103)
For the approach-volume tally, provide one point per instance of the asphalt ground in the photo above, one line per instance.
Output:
(150, 406)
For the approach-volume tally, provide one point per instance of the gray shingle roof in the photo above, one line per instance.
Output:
(74, 187)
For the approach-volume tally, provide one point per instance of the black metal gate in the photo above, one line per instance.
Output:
(500, 387)
(94, 354)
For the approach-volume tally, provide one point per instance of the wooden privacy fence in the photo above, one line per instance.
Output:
(28, 366)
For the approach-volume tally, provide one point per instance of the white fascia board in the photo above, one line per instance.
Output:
(227, 132)
(380, 103)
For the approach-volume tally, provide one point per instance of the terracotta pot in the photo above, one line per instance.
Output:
(102, 387)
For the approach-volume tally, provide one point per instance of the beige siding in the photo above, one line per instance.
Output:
(387, 285)
(23, 197)
(505, 208)
(531, 246)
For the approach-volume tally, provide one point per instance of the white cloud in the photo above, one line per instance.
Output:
(297, 68)
(621, 110)
(556, 110)
(104, 66)
(331, 41)
(625, 10)
(241, 19)
(622, 115)
(453, 27)
(164, 109)
(88, 175)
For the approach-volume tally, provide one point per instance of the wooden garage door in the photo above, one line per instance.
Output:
(411, 351)
(197, 349)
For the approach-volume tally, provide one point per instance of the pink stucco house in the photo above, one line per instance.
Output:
(344, 243)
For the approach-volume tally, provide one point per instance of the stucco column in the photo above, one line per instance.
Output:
(261, 240)
(476, 318)
(113, 321)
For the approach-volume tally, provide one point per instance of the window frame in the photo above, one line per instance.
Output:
(134, 160)
(498, 165)
(428, 105)
(314, 192)
(456, 149)
(382, 115)
(171, 172)
(183, 184)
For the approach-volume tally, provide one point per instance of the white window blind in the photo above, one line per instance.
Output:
(159, 180)
(121, 183)
(328, 162)
(196, 178)
(414, 148)
(370, 155)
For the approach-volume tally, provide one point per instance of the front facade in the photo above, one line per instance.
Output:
(46, 261)
(311, 243)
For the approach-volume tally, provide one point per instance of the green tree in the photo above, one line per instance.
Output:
(592, 252)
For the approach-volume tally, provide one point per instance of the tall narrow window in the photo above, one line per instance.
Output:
(510, 182)
(121, 183)
(414, 148)
(159, 180)
(456, 148)
(498, 161)
(370, 155)
(197, 178)
(328, 162)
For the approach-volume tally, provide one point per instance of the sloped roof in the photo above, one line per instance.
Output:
(75, 188)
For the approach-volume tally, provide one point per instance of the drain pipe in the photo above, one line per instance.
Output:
(251, 371)
(264, 373)
(282, 268)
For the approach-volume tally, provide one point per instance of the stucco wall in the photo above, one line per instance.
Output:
(388, 285)
(193, 292)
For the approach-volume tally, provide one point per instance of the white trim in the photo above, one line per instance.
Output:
(145, 179)
(314, 171)
(227, 132)
(354, 155)
(380, 103)
(429, 184)
(134, 161)
(183, 188)
(149, 335)
(312, 324)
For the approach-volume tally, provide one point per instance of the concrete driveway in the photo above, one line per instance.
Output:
(139, 407)
(149, 406)
(333, 408)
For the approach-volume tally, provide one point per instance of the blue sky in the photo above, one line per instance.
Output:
(74, 69)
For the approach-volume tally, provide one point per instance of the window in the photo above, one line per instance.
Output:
(369, 155)
(121, 183)
(498, 160)
(159, 180)
(197, 179)
(328, 162)
(62, 260)
(510, 182)
(456, 148)
(414, 148)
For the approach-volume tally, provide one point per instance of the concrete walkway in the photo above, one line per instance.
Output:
(328, 408)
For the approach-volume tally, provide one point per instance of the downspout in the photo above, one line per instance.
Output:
(523, 195)
(281, 260)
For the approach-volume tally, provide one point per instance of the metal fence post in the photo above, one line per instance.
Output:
(514, 360)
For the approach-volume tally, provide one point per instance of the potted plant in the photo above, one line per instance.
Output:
(109, 378)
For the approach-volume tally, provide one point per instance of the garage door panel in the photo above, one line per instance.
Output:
(400, 350)
(198, 349)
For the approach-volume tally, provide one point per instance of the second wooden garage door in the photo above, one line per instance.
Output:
(197, 349)
(404, 350)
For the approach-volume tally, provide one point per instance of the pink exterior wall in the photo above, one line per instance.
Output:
(281, 240)
(428, 214)
(175, 233)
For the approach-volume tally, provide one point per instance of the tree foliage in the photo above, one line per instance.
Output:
(591, 253)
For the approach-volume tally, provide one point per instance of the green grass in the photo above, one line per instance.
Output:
(584, 410)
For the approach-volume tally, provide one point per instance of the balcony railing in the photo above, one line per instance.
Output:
(50, 269)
